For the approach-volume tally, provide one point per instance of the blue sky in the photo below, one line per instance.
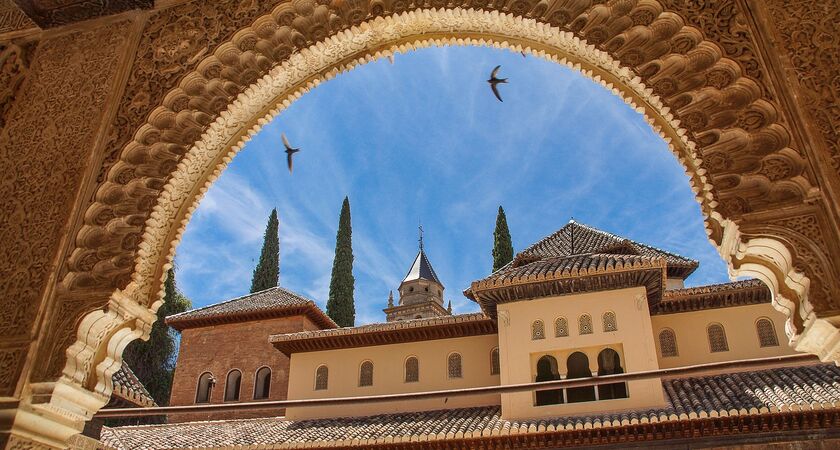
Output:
(425, 140)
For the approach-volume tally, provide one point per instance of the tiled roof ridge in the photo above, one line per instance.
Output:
(628, 262)
(612, 235)
(752, 283)
(686, 261)
(382, 326)
(266, 303)
(235, 299)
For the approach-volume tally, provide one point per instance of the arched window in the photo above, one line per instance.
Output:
(547, 371)
(577, 366)
(234, 381)
(537, 330)
(262, 383)
(495, 366)
(366, 374)
(609, 363)
(561, 327)
(585, 324)
(610, 322)
(453, 365)
(204, 388)
(717, 338)
(766, 333)
(412, 370)
(322, 378)
(668, 343)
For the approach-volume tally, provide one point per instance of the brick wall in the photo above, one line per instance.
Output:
(218, 349)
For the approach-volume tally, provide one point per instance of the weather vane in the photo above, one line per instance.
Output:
(420, 228)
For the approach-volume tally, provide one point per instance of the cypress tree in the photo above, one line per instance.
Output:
(153, 361)
(267, 272)
(502, 245)
(340, 306)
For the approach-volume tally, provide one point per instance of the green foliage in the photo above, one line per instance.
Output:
(502, 245)
(267, 272)
(340, 306)
(153, 361)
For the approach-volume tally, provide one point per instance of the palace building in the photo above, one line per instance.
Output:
(711, 363)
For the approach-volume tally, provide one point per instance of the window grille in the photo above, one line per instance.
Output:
(766, 333)
(495, 367)
(561, 327)
(585, 324)
(322, 375)
(366, 374)
(454, 365)
(412, 370)
(610, 322)
(717, 338)
(667, 343)
(537, 330)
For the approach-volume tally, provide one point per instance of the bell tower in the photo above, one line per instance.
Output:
(421, 292)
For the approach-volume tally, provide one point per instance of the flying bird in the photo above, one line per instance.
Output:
(494, 81)
(289, 151)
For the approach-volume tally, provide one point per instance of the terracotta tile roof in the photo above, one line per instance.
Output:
(273, 302)
(724, 295)
(757, 394)
(588, 239)
(569, 274)
(385, 333)
(130, 389)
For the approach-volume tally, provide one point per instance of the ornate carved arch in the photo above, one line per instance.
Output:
(721, 123)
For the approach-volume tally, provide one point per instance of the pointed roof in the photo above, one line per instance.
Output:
(578, 239)
(421, 269)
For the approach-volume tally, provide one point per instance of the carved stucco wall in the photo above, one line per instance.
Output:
(809, 35)
(702, 59)
(44, 150)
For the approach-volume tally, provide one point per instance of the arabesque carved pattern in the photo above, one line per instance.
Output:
(722, 22)
(46, 143)
(12, 18)
(14, 66)
(810, 32)
(813, 260)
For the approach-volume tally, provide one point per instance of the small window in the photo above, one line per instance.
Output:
(262, 383)
(668, 343)
(412, 370)
(366, 374)
(537, 330)
(322, 376)
(205, 387)
(411, 289)
(427, 288)
(717, 338)
(453, 365)
(766, 333)
(561, 327)
(234, 381)
(610, 322)
(495, 366)
(585, 324)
